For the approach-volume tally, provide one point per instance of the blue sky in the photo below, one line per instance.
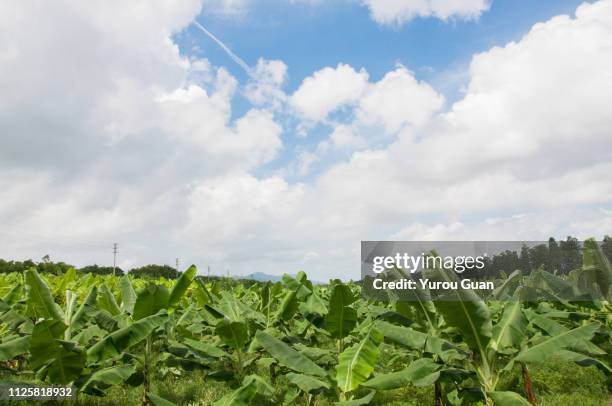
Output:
(363, 120)
(309, 37)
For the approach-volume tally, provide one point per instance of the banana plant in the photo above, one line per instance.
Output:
(505, 342)
(58, 342)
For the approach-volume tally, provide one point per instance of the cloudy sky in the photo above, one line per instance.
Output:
(332, 123)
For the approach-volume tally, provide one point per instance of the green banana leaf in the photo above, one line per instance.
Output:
(106, 377)
(417, 340)
(546, 349)
(508, 399)
(422, 372)
(151, 300)
(79, 318)
(251, 385)
(158, 400)
(233, 333)
(509, 332)
(356, 363)
(128, 294)
(39, 301)
(314, 304)
(464, 310)
(63, 361)
(115, 343)
(507, 288)
(107, 301)
(69, 276)
(287, 356)
(13, 295)
(288, 307)
(357, 402)
(306, 383)
(12, 348)
(552, 328)
(583, 360)
(181, 285)
(341, 319)
(205, 348)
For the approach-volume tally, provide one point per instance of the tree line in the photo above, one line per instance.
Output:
(59, 268)
(557, 257)
(151, 271)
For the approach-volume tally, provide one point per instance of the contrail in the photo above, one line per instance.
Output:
(231, 54)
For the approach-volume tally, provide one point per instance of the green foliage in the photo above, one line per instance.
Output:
(422, 372)
(288, 356)
(155, 271)
(356, 363)
(39, 300)
(121, 340)
(151, 299)
(341, 318)
(127, 340)
(101, 270)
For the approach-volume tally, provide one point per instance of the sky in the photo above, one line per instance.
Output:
(305, 128)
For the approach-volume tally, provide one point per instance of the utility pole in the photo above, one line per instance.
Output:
(177, 265)
(114, 258)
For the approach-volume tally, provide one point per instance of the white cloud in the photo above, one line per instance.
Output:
(527, 104)
(104, 126)
(266, 88)
(327, 90)
(398, 99)
(396, 12)
(344, 137)
(227, 8)
(305, 160)
(400, 11)
(423, 232)
(132, 141)
(532, 226)
(385, 107)
(255, 206)
(530, 135)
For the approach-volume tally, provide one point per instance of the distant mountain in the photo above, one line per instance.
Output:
(263, 277)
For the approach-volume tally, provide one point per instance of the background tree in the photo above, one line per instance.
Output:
(538, 256)
(524, 261)
(155, 271)
(606, 247)
(554, 256)
(101, 270)
(507, 261)
(571, 253)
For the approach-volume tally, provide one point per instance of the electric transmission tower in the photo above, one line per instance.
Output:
(114, 258)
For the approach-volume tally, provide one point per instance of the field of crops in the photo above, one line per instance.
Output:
(121, 340)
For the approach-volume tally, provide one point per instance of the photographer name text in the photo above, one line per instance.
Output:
(426, 284)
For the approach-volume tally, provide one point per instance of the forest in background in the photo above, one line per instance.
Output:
(558, 257)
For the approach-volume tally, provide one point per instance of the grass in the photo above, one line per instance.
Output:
(556, 383)
(562, 383)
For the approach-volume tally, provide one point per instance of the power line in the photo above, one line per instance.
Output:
(114, 258)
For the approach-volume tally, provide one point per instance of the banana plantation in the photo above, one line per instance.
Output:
(298, 343)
